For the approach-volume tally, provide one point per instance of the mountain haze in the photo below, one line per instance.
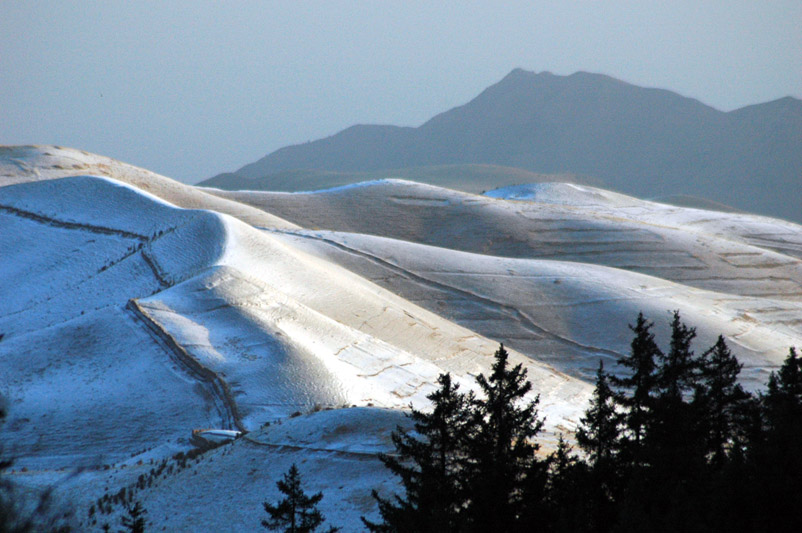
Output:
(640, 141)
(466, 177)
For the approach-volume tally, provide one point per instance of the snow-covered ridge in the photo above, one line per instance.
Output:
(331, 190)
(23, 164)
(548, 308)
(79, 244)
(561, 193)
(135, 311)
(725, 252)
(244, 305)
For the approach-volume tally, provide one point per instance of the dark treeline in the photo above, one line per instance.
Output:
(671, 442)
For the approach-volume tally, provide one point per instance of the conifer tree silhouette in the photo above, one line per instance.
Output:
(430, 464)
(134, 521)
(723, 401)
(635, 392)
(297, 512)
(501, 452)
(599, 430)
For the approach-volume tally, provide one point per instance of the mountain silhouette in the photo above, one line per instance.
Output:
(640, 141)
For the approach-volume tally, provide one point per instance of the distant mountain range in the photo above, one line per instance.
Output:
(641, 141)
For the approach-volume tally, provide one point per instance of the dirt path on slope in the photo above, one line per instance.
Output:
(71, 225)
(217, 387)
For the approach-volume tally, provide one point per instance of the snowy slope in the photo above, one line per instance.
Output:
(19, 164)
(549, 309)
(739, 254)
(261, 327)
(135, 309)
(223, 490)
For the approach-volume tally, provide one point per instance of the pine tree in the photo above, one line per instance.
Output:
(635, 392)
(674, 444)
(502, 451)
(675, 438)
(677, 370)
(599, 430)
(778, 461)
(567, 496)
(784, 395)
(599, 436)
(297, 513)
(430, 465)
(134, 521)
(723, 401)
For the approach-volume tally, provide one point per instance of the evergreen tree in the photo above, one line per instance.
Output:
(723, 402)
(675, 437)
(297, 513)
(501, 450)
(134, 521)
(599, 430)
(635, 392)
(674, 443)
(599, 436)
(430, 465)
(784, 396)
(778, 461)
(677, 368)
(568, 506)
(471, 465)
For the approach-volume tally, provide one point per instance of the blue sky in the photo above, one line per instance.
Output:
(193, 88)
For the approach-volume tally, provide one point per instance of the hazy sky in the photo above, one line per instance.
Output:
(189, 89)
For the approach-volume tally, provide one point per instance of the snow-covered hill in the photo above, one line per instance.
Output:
(135, 309)
(550, 309)
(37, 163)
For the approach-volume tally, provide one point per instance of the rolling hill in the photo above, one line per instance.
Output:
(639, 141)
(135, 309)
(475, 178)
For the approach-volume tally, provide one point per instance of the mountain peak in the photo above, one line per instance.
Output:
(638, 140)
(518, 74)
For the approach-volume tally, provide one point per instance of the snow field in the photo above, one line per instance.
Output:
(129, 320)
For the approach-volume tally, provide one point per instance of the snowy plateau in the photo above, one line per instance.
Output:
(135, 309)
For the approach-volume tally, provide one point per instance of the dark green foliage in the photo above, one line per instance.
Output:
(725, 404)
(665, 489)
(568, 504)
(471, 464)
(636, 389)
(674, 440)
(134, 520)
(599, 436)
(431, 469)
(599, 431)
(501, 451)
(297, 512)
(677, 371)
(777, 454)
(783, 399)
(672, 443)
